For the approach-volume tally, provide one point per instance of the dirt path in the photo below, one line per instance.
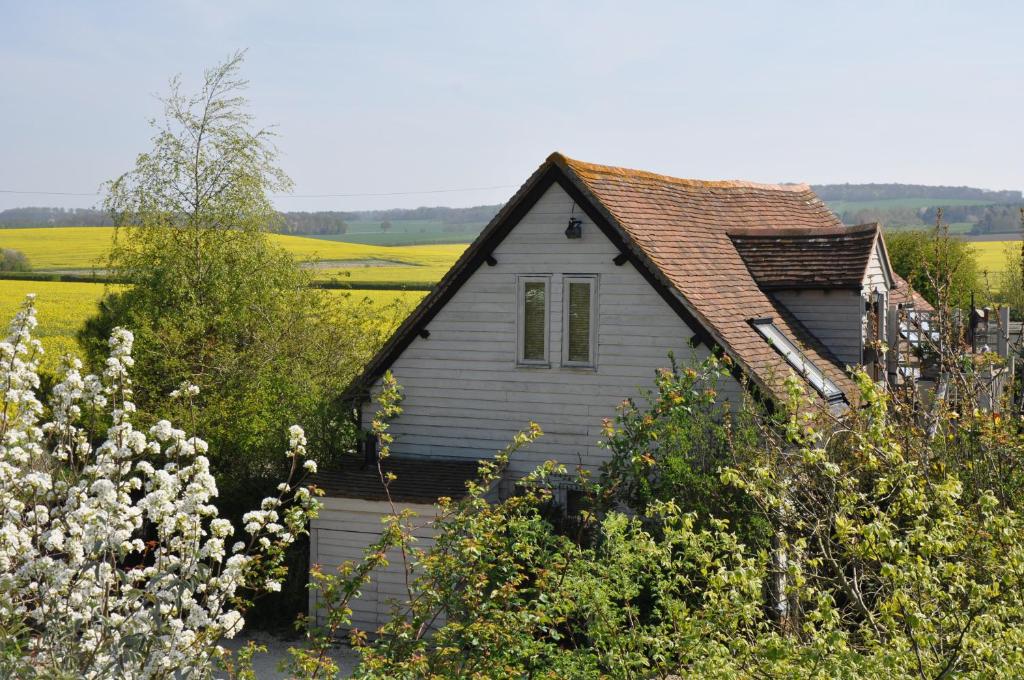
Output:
(266, 664)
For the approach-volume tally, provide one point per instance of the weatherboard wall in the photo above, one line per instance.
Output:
(832, 316)
(874, 277)
(466, 397)
(343, 530)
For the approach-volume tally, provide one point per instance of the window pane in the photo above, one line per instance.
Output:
(579, 321)
(533, 320)
(796, 359)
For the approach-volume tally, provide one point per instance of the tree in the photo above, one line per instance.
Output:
(13, 261)
(924, 258)
(385, 226)
(675, 446)
(114, 561)
(213, 302)
(1011, 281)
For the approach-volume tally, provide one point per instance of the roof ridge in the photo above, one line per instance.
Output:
(802, 232)
(578, 165)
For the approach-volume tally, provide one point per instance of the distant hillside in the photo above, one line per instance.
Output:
(398, 226)
(884, 192)
(897, 206)
(54, 217)
(968, 211)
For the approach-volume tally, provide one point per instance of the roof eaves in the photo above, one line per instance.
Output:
(467, 263)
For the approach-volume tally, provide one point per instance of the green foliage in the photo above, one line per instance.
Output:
(210, 301)
(13, 261)
(1011, 281)
(674, 450)
(918, 572)
(213, 301)
(884, 563)
(931, 260)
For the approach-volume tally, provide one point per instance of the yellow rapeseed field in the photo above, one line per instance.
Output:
(78, 248)
(63, 307)
(992, 254)
(60, 247)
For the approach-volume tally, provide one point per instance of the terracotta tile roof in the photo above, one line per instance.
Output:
(827, 257)
(418, 480)
(677, 231)
(903, 294)
(682, 228)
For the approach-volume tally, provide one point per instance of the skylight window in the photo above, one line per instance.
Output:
(795, 358)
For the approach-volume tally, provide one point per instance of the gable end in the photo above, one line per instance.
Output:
(480, 251)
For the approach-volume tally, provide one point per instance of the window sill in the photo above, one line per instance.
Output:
(579, 368)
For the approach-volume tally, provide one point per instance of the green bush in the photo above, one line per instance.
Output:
(883, 562)
(13, 261)
(932, 260)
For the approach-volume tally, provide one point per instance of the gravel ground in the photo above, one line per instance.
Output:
(265, 665)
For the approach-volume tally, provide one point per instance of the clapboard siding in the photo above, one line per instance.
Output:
(342, 532)
(464, 394)
(834, 317)
(874, 277)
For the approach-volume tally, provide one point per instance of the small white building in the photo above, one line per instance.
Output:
(571, 299)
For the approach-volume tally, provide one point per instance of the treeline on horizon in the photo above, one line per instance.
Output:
(882, 192)
(293, 222)
(982, 219)
(999, 213)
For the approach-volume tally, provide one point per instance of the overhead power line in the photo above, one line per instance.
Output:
(398, 193)
(353, 195)
(49, 193)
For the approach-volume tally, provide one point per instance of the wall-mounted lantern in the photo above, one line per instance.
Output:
(575, 228)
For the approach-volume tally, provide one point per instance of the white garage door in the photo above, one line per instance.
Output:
(342, 532)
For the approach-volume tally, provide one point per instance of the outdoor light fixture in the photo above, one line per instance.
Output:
(575, 228)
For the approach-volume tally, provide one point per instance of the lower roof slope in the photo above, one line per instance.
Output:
(417, 480)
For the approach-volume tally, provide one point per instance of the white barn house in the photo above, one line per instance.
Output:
(571, 299)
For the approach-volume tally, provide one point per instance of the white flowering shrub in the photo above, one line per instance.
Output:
(113, 561)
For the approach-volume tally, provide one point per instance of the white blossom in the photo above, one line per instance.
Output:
(130, 521)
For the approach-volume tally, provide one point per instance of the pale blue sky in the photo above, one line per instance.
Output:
(414, 96)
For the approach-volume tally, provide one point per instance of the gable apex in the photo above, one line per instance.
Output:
(480, 251)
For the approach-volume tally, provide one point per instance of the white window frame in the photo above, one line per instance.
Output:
(771, 333)
(592, 280)
(521, 282)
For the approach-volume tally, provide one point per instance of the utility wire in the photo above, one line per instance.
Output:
(397, 193)
(48, 193)
(356, 195)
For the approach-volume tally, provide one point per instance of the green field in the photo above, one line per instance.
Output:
(85, 248)
(406, 232)
(955, 228)
(63, 307)
(913, 203)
